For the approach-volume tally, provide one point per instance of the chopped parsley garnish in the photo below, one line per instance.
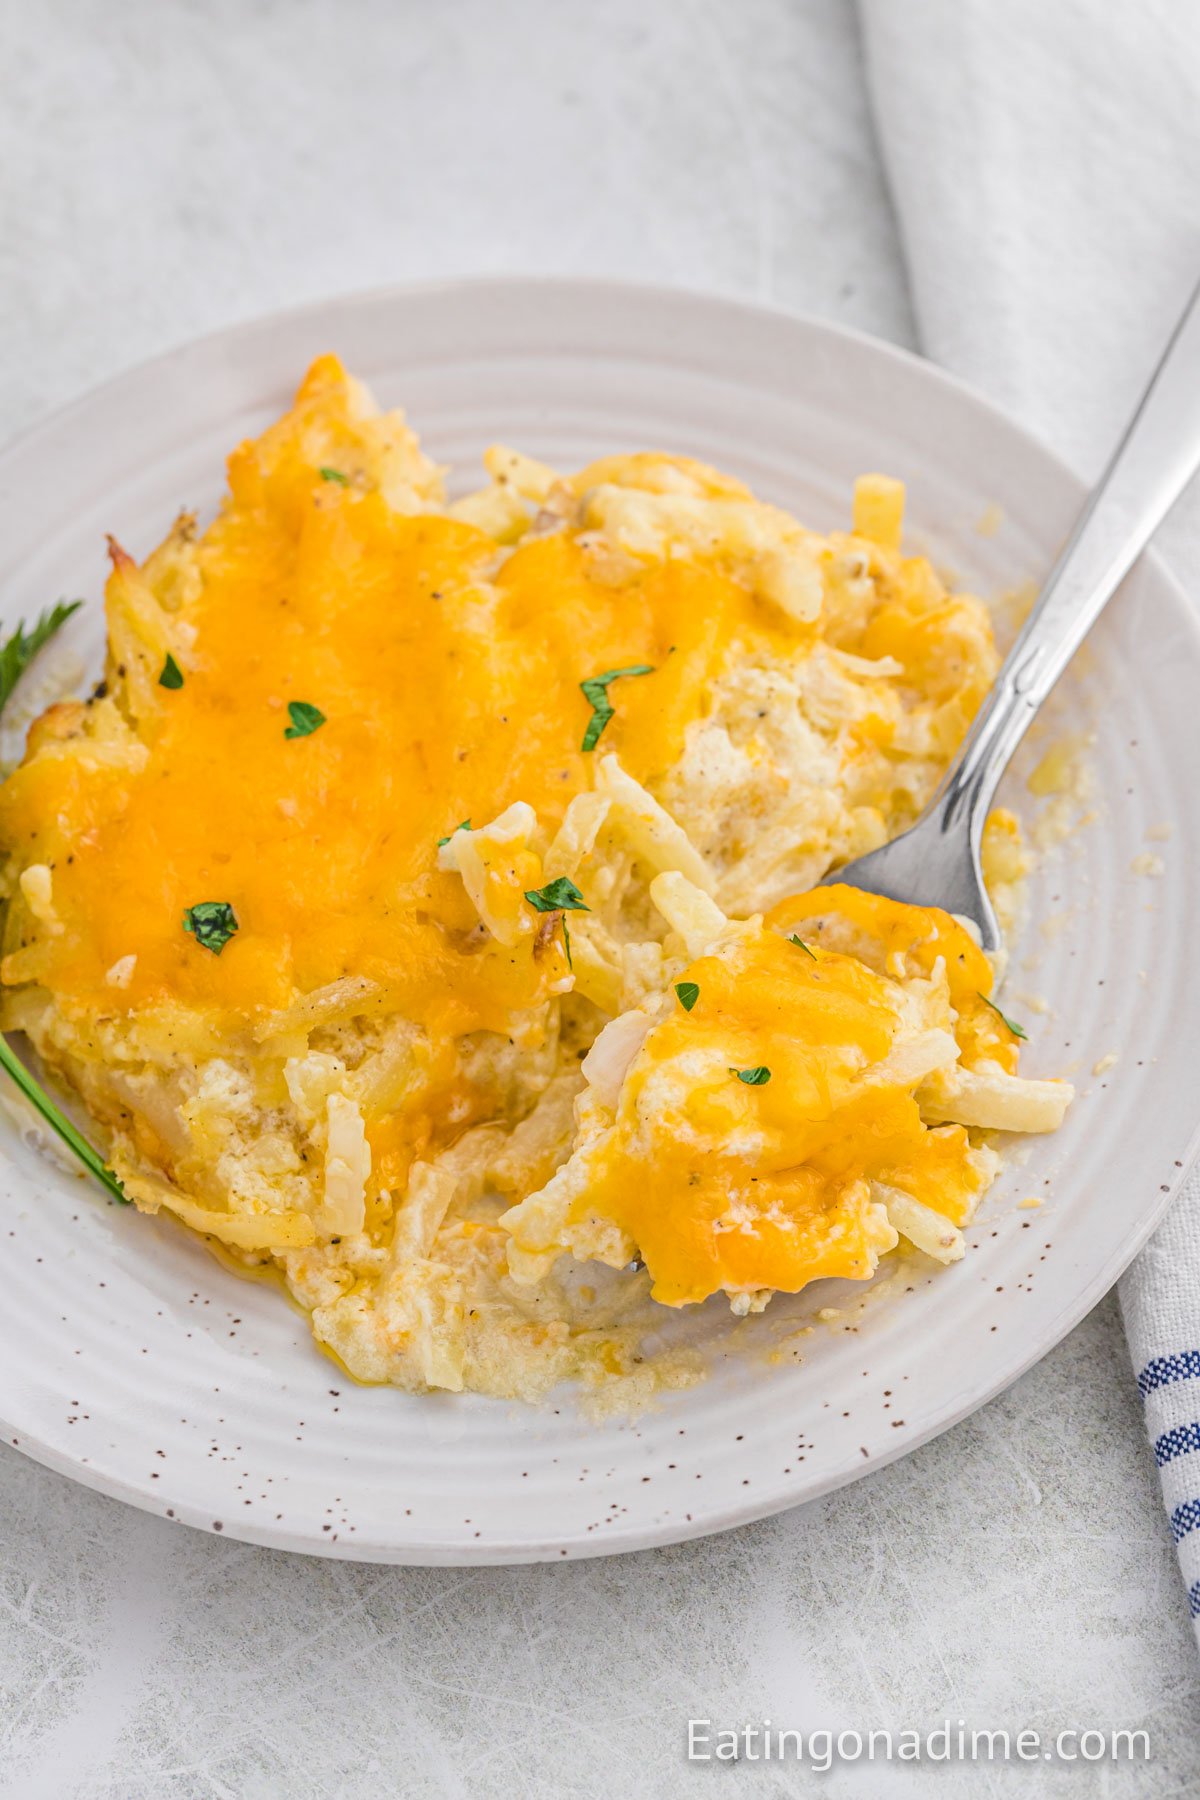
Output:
(463, 825)
(595, 691)
(21, 648)
(334, 475)
(756, 1077)
(1017, 1030)
(688, 992)
(567, 945)
(172, 674)
(212, 923)
(801, 945)
(305, 719)
(560, 895)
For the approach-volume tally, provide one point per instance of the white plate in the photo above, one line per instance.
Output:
(130, 1359)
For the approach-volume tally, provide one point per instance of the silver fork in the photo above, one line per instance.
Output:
(936, 862)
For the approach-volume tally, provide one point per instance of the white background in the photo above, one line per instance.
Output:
(166, 169)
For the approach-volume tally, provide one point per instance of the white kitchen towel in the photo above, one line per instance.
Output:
(1044, 161)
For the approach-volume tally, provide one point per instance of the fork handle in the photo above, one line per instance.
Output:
(1149, 469)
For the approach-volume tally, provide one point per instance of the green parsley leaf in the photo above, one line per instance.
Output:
(305, 719)
(567, 945)
(172, 674)
(463, 825)
(595, 691)
(1017, 1030)
(801, 945)
(557, 896)
(688, 992)
(756, 1077)
(212, 923)
(21, 648)
(334, 475)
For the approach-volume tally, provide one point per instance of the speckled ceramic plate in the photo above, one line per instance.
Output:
(132, 1360)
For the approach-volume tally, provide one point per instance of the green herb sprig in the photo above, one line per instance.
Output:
(212, 923)
(305, 718)
(58, 1122)
(595, 691)
(688, 993)
(21, 648)
(756, 1077)
(1018, 1031)
(15, 657)
(172, 674)
(560, 895)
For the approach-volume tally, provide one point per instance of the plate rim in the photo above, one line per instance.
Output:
(621, 1539)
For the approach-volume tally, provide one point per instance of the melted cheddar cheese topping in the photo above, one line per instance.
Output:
(354, 901)
(751, 1126)
(446, 686)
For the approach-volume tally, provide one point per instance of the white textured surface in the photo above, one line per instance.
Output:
(164, 170)
(166, 1380)
(1051, 252)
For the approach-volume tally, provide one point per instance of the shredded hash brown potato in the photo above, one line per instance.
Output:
(423, 906)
